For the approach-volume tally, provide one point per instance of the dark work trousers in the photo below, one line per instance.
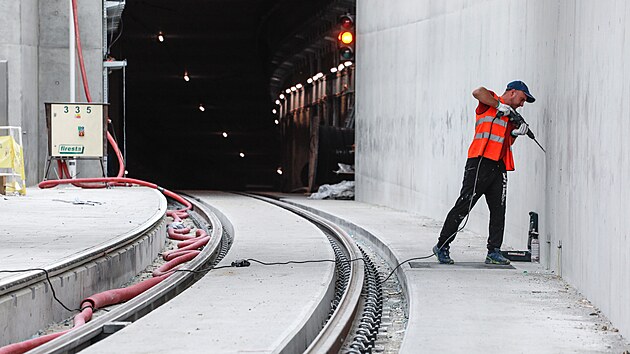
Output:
(491, 182)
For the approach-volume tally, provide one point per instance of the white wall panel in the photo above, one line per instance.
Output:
(417, 64)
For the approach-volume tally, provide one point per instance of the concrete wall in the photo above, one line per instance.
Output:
(54, 72)
(34, 41)
(19, 46)
(417, 64)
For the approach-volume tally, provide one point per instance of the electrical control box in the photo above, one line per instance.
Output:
(77, 129)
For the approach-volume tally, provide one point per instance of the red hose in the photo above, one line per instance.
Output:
(193, 246)
(23, 347)
(115, 296)
(177, 236)
(182, 231)
(125, 180)
(187, 242)
(167, 268)
(80, 51)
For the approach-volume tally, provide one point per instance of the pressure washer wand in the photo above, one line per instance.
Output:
(518, 119)
(536, 141)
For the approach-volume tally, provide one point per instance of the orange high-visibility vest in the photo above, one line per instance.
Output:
(490, 136)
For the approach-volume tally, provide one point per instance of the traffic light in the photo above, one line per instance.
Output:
(345, 38)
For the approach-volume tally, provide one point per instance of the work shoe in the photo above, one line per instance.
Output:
(442, 254)
(495, 257)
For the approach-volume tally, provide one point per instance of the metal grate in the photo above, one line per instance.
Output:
(459, 265)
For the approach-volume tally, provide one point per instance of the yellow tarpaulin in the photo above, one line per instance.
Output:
(12, 158)
(6, 152)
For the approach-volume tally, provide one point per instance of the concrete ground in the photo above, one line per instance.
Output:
(462, 309)
(258, 309)
(62, 226)
(46, 226)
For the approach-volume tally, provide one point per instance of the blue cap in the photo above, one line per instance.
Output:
(520, 85)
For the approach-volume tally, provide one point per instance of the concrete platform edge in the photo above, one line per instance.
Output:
(108, 271)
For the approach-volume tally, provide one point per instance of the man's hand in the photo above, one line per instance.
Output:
(504, 109)
(522, 130)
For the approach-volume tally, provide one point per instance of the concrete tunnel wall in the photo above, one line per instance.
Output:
(34, 41)
(417, 64)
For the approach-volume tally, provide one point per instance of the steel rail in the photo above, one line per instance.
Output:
(332, 336)
(144, 303)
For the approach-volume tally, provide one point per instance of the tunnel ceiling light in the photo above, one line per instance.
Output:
(298, 86)
(279, 170)
(186, 77)
(341, 67)
(277, 101)
(274, 111)
(281, 96)
(319, 75)
(201, 107)
(276, 121)
(293, 88)
(309, 80)
(241, 154)
(224, 134)
(348, 63)
(160, 37)
(287, 90)
(333, 69)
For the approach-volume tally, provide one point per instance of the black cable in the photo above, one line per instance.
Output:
(52, 289)
(204, 270)
(113, 130)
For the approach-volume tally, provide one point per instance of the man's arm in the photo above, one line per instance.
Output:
(484, 96)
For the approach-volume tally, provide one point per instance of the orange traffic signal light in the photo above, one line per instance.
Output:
(345, 38)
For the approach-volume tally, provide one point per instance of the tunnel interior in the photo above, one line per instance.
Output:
(230, 50)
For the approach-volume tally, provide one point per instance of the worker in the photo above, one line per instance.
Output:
(489, 159)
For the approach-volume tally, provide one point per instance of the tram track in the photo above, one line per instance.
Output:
(353, 310)
(107, 324)
(357, 287)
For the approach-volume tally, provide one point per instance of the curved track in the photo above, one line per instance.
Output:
(353, 302)
(130, 311)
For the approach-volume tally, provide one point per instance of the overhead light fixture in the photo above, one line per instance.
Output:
(186, 77)
(274, 111)
(298, 86)
(224, 134)
(287, 90)
(241, 154)
(293, 88)
(341, 67)
(315, 78)
(276, 121)
(201, 107)
(348, 63)
(277, 101)
(160, 36)
(319, 75)
(333, 69)
(281, 96)
(279, 170)
(309, 80)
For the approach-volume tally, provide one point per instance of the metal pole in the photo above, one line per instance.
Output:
(105, 77)
(72, 50)
(72, 163)
(124, 114)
